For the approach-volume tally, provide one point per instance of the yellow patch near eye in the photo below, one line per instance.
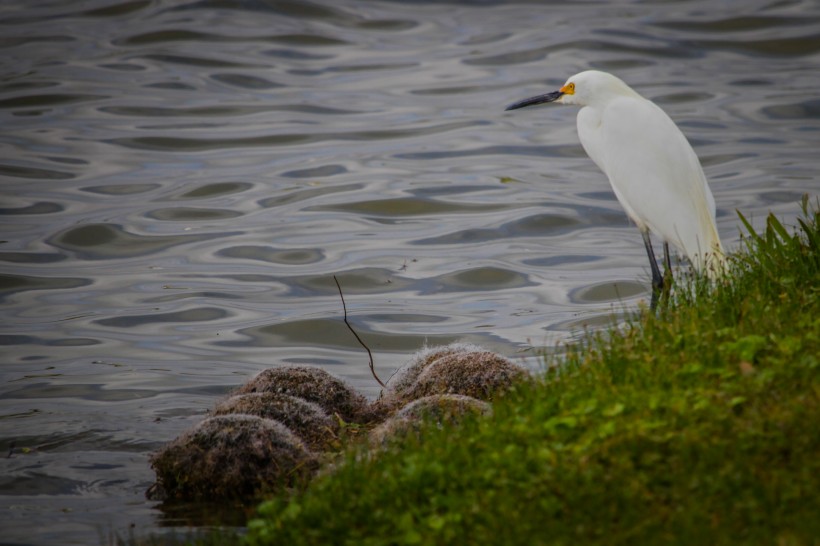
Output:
(568, 89)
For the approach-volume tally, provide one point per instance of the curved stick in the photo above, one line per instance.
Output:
(362, 343)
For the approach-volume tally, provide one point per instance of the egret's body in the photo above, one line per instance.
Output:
(653, 170)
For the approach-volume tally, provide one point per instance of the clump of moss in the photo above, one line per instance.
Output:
(305, 419)
(439, 408)
(454, 369)
(404, 378)
(443, 408)
(278, 427)
(231, 456)
(314, 385)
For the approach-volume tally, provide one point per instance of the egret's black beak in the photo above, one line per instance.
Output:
(532, 101)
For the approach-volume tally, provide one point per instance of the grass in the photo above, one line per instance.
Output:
(694, 425)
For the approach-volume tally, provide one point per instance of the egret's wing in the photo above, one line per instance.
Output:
(655, 174)
(591, 136)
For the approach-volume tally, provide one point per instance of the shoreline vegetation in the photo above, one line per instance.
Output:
(696, 424)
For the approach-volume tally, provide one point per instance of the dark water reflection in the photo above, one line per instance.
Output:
(182, 179)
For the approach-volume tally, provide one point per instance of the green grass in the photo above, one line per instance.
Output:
(699, 424)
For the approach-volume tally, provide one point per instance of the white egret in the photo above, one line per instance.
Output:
(653, 170)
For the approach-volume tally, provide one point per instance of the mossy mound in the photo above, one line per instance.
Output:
(279, 427)
(231, 456)
(453, 369)
(404, 378)
(439, 408)
(443, 408)
(305, 419)
(313, 385)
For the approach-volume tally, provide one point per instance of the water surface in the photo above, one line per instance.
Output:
(180, 181)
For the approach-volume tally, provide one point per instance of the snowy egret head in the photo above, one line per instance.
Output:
(583, 89)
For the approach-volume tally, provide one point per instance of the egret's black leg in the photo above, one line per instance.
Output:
(667, 268)
(657, 278)
(667, 262)
(667, 272)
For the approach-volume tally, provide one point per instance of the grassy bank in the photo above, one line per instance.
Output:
(697, 425)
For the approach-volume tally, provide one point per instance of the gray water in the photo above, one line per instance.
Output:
(180, 181)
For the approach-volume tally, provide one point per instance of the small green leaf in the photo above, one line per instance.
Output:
(560, 422)
(617, 409)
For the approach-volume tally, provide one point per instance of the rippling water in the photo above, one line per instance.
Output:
(182, 179)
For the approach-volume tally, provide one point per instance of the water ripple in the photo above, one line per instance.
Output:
(111, 241)
(52, 99)
(41, 207)
(18, 171)
(11, 284)
(202, 314)
(176, 144)
(289, 256)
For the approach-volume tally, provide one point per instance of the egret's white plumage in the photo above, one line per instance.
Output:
(653, 170)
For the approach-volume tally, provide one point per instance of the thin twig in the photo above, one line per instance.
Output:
(362, 343)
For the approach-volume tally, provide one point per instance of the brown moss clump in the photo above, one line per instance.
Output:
(313, 385)
(440, 409)
(231, 456)
(404, 378)
(305, 419)
(271, 434)
(455, 369)
(444, 408)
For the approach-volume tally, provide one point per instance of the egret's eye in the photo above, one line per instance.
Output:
(568, 89)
